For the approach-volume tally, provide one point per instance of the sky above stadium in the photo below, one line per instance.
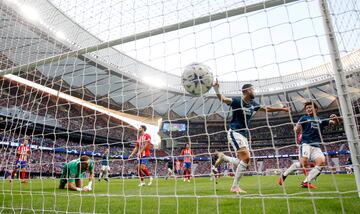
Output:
(268, 43)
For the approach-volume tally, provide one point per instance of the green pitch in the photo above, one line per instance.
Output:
(335, 194)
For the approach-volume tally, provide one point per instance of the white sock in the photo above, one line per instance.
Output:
(239, 171)
(232, 160)
(312, 174)
(106, 174)
(100, 175)
(292, 168)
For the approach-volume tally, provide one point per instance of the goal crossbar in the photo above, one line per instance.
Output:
(173, 27)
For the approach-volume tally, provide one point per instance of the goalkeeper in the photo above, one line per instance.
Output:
(73, 173)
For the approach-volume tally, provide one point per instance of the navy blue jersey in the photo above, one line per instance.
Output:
(311, 129)
(105, 160)
(242, 114)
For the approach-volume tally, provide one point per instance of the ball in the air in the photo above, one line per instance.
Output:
(197, 79)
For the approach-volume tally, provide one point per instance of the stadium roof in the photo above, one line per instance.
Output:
(111, 76)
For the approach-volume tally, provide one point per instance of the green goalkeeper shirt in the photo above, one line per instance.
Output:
(72, 170)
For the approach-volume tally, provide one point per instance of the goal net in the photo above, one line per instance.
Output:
(81, 78)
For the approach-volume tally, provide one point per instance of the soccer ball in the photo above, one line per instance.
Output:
(197, 79)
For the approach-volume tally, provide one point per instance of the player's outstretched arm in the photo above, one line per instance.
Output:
(274, 109)
(221, 97)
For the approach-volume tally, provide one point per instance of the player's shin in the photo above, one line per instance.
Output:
(313, 173)
(232, 160)
(292, 168)
(239, 171)
(23, 175)
(146, 171)
(141, 176)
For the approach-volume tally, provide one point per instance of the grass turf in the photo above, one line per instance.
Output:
(335, 194)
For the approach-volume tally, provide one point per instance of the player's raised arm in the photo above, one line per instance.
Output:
(221, 97)
(334, 120)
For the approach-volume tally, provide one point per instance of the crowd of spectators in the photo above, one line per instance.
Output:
(47, 162)
(271, 137)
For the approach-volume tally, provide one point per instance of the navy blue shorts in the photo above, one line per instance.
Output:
(144, 160)
(20, 164)
(187, 165)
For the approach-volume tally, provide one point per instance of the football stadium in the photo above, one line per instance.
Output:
(179, 106)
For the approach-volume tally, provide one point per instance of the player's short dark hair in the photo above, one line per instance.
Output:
(308, 103)
(246, 86)
(143, 127)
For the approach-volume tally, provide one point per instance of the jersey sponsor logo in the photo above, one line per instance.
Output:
(315, 125)
(249, 111)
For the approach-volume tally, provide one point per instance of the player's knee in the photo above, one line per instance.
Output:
(304, 162)
(320, 162)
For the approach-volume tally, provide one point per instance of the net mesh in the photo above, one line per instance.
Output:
(84, 102)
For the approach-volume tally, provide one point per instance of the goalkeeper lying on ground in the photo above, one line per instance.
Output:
(73, 173)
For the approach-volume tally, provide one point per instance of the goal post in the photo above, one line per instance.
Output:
(348, 116)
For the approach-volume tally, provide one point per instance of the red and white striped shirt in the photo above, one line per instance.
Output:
(187, 153)
(144, 141)
(23, 152)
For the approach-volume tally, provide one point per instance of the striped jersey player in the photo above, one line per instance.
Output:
(187, 154)
(22, 157)
(142, 151)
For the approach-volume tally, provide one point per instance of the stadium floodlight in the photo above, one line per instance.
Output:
(60, 35)
(154, 81)
(29, 13)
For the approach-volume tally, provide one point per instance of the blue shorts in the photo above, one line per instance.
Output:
(20, 164)
(144, 160)
(187, 165)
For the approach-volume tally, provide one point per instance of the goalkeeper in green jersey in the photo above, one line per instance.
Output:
(73, 173)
